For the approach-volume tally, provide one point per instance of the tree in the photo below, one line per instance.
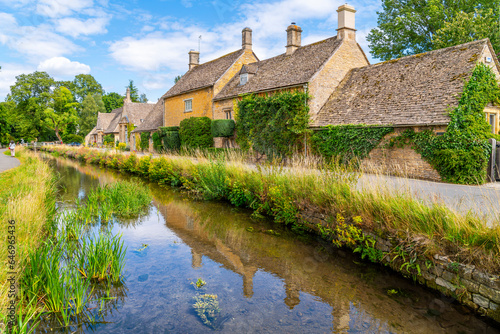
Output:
(92, 105)
(6, 119)
(143, 99)
(177, 78)
(83, 85)
(407, 27)
(62, 111)
(468, 27)
(134, 92)
(112, 101)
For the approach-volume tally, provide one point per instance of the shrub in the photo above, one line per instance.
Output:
(195, 132)
(122, 146)
(223, 128)
(157, 142)
(171, 141)
(275, 124)
(73, 139)
(109, 139)
(145, 140)
(164, 129)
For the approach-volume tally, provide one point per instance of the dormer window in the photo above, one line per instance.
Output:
(142, 120)
(243, 78)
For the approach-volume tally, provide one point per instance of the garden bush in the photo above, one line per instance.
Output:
(145, 140)
(223, 128)
(195, 132)
(171, 141)
(157, 142)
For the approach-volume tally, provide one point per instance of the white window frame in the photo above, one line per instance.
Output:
(186, 106)
(243, 79)
(229, 113)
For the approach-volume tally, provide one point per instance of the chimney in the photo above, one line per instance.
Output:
(194, 59)
(346, 30)
(293, 33)
(246, 39)
(127, 98)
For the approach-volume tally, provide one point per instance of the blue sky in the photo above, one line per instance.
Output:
(149, 41)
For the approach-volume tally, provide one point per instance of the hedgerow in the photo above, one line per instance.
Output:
(195, 132)
(223, 128)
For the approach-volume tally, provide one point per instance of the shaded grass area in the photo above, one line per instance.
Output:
(326, 190)
(27, 206)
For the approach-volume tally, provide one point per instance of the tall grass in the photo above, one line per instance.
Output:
(309, 185)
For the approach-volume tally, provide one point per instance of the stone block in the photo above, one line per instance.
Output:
(480, 300)
(445, 284)
(490, 293)
(493, 306)
(449, 276)
(437, 270)
(465, 271)
(470, 285)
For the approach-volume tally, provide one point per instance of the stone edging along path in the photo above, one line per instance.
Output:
(474, 288)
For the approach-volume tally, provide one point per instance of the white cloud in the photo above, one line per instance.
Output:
(74, 27)
(58, 8)
(8, 75)
(63, 67)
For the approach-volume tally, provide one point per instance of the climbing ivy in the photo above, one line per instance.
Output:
(273, 124)
(346, 142)
(145, 140)
(461, 154)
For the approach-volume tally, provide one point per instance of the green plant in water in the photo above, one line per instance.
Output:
(207, 308)
(200, 283)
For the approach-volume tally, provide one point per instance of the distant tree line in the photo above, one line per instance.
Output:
(41, 108)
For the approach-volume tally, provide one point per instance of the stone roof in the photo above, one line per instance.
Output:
(154, 120)
(283, 71)
(204, 75)
(103, 120)
(113, 125)
(92, 132)
(413, 90)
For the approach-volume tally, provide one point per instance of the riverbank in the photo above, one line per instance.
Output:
(435, 245)
(27, 206)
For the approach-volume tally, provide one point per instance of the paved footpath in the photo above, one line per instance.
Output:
(7, 162)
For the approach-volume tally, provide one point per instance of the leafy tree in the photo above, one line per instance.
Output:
(112, 101)
(91, 106)
(35, 85)
(177, 78)
(408, 27)
(134, 91)
(6, 119)
(62, 111)
(83, 85)
(143, 99)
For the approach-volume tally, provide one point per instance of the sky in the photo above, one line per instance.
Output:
(149, 41)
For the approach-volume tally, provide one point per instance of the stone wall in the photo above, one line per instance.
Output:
(474, 288)
(201, 106)
(224, 142)
(400, 161)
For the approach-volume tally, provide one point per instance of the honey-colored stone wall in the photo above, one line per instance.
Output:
(492, 64)
(400, 161)
(202, 106)
(348, 56)
(246, 58)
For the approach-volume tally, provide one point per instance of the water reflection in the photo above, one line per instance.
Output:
(265, 283)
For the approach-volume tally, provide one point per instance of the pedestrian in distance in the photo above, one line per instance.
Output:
(12, 147)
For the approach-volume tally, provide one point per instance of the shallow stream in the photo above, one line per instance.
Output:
(267, 279)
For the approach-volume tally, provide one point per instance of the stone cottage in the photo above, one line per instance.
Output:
(192, 95)
(317, 68)
(119, 120)
(411, 92)
(151, 124)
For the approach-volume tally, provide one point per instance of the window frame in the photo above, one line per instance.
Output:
(185, 105)
(243, 76)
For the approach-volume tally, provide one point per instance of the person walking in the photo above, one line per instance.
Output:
(12, 147)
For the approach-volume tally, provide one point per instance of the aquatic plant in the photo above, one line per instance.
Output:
(200, 283)
(207, 309)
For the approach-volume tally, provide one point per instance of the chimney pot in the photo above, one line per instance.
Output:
(246, 39)
(293, 37)
(128, 98)
(194, 59)
(346, 28)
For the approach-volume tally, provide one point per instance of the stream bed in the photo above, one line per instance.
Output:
(267, 279)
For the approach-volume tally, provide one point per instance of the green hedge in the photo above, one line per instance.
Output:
(157, 142)
(195, 132)
(145, 140)
(275, 124)
(171, 141)
(164, 129)
(223, 128)
(72, 138)
(346, 142)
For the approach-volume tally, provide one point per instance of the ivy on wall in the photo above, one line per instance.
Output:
(347, 142)
(145, 140)
(461, 154)
(274, 124)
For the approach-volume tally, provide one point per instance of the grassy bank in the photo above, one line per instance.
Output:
(27, 197)
(421, 231)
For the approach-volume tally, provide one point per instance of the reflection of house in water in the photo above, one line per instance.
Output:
(236, 250)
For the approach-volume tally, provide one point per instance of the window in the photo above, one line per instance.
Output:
(228, 113)
(142, 120)
(243, 78)
(188, 105)
(493, 123)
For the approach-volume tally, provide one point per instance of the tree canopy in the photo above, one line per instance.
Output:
(407, 27)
